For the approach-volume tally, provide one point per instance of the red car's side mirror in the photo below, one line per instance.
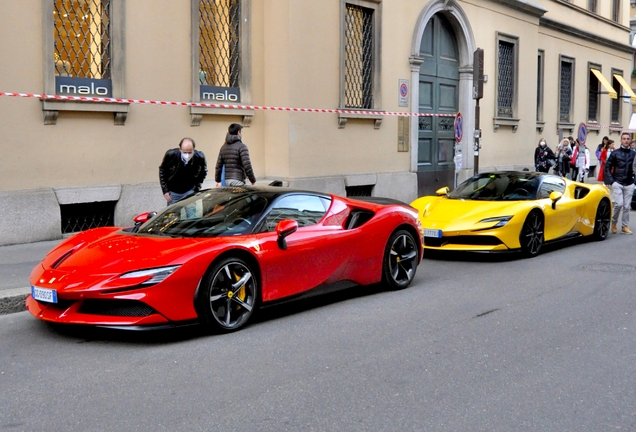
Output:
(283, 229)
(141, 218)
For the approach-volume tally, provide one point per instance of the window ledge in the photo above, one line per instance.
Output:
(566, 126)
(540, 126)
(51, 109)
(505, 121)
(593, 126)
(343, 117)
(196, 114)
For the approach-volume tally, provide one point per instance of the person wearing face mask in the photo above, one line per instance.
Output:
(182, 171)
(235, 156)
(619, 175)
(544, 157)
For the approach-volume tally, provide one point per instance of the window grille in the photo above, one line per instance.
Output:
(592, 99)
(616, 103)
(83, 216)
(565, 92)
(505, 83)
(358, 61)
(219, 48)
(82, 38)
(359, 191)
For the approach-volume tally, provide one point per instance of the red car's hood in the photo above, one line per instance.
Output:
(93, 258)
(119, 252)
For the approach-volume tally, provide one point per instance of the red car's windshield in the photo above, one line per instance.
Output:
(208, 214)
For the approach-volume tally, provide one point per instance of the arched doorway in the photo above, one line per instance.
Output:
(439, 91)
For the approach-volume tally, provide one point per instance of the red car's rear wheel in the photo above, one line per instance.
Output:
(400, 260)
(229, 296)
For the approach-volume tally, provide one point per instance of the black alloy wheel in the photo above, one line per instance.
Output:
(229, 296)
(531, 237)
(400, 260)
(603, 220)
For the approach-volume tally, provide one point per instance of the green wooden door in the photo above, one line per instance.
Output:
(438, 93)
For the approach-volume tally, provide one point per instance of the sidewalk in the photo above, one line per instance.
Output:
(16, 263)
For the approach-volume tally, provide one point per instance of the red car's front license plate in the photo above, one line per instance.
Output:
(43, 294)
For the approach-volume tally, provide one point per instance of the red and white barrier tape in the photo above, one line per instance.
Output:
(591, 127)
(217, 105)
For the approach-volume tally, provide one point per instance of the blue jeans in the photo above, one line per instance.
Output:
(190, 210)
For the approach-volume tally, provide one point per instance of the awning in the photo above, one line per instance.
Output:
(605, 83)
(626, 86)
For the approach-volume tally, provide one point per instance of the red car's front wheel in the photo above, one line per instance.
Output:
(229, 296)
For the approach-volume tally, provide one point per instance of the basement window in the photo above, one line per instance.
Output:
(84, 216)
(359, 191)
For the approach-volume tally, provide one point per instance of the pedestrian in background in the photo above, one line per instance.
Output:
(605, 152)
(632, 145)
(619, 174)
(182, 171)
(600, 148)
(572, 162)
(235, 155)
(544, 157)
(581, 161)
(564, 154)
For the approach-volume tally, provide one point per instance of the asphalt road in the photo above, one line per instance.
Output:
(475, 344)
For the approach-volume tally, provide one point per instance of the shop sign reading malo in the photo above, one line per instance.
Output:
(220, 94)
(74, 86)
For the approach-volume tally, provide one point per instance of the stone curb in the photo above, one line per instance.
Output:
(12, 301)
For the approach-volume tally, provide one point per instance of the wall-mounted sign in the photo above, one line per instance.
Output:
(582, 135)
(220, 94)
(403, 95)
(404, 127)
(74, 86)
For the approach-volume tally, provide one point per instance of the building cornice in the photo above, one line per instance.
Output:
(584, 11)
(582, 34)
(524, 6)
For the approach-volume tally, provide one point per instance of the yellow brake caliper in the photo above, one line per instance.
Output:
(241, 292)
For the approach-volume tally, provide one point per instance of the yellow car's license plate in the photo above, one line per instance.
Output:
(433, 233)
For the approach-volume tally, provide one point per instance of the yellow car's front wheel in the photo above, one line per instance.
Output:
(531, 237)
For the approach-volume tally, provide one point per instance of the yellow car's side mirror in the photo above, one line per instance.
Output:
(442, 191)
(554, 197)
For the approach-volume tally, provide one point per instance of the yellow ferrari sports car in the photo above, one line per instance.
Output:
(513, 210)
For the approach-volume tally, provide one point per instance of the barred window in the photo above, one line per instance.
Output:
(506, 79)
(616, 10)
(219, 43)
(593, 91)
(221, 61)
(358, 61)
(615, 115)
(83, 42)
(82, 38)
(540, 78)
(566, 78)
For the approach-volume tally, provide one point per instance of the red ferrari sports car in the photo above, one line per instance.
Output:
(217, 256)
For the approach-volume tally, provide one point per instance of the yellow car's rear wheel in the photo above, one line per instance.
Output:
(602, 220)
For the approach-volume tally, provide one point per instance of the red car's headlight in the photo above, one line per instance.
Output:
(153, 276)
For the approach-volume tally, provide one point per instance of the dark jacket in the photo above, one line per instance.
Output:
(541, 157)
(236, 158)
(177, 176)
(619, 167)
